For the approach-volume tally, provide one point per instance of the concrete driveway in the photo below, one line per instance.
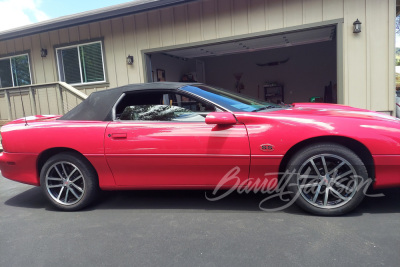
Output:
(182, 228)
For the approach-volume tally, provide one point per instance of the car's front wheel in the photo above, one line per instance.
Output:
(327, 179)
(69, 181)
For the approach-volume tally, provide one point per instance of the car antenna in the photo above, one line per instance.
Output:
(23, 107)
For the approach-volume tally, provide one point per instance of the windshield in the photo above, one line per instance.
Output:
(230, 100)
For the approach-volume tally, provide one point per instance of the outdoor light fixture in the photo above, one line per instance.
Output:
(357, 26)
(129, 60)
(43, 52)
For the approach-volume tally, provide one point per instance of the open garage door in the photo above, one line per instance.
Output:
(290, 67)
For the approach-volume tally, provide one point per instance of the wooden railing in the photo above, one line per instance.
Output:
(48, 98)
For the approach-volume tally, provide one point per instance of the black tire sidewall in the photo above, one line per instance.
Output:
(327, 148)
(89, 175)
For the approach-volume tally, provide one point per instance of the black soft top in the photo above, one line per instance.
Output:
(98, 106)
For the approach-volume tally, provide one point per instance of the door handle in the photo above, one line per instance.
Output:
(118, 135)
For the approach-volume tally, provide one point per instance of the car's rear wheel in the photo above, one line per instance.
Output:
(328, 179)
(69, 181)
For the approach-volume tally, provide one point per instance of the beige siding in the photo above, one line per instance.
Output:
(312, 11)
(224, 18)
(332, 9)
(131, 49)
(154, 29)
(368, 68)
(3, 108)
(274, 14)
(194, 24)
(257, 19)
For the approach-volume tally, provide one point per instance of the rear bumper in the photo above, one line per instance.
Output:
(20, 167)
(387, 171)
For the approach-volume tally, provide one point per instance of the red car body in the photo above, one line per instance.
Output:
(196, 155)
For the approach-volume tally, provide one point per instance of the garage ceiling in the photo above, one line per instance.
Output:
(257, 44)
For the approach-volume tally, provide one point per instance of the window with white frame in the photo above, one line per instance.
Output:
(81, 64)
(15, 71)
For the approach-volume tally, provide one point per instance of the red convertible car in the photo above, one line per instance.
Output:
(195, 136)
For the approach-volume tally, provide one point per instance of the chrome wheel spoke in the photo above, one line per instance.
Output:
(315, 167)
(306, 176)
(54, 179)
(317, 193)
(343, 175)
(341, 186)
(77, 178)
(324, 163)
(308, 185)
(54, 186)
(326, 196)
(66, 196)
(59, 173)
(338, 194)
(59, 195)
(73, 171)
(74, 193)
(77, 187)
(336, 169)
(63, 167)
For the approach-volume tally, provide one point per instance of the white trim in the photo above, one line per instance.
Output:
(102, 59)
(79, 59)
(79, 84)
(80, 63)
(12, 76)
(11, 70)
(29, 66)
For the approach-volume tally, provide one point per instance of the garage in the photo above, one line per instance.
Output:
(286, 67)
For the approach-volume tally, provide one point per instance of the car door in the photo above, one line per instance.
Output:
(160, 139)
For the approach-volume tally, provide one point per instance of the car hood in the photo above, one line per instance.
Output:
(334, 110)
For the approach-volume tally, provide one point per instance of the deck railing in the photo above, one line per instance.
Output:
(48, 98)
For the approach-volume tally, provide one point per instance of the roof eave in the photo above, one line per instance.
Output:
(88, 17)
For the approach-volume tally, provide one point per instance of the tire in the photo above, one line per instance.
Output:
(69, 181)
(337, 193)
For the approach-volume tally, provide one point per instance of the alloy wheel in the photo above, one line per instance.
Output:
(65, 183)
(327, 181)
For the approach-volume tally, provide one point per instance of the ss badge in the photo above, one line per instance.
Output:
(267, 147)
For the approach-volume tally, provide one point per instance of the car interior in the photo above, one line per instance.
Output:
(161, 106)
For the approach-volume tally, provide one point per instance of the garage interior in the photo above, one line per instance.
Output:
(299, 66)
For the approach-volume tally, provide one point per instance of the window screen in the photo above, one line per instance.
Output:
(81, 64)
(15, 71)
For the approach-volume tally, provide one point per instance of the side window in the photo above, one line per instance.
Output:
(15, 71)
(81, 64)
(162, 106)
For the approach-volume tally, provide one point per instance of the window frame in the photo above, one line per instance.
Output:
(12, 75)
(80, 65)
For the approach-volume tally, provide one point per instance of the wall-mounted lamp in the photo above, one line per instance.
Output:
(129, 60)
(43, 52)
(357, 26)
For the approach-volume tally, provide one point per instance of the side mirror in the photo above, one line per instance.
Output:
(220, 118)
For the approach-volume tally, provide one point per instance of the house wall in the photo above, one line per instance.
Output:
(367, 58)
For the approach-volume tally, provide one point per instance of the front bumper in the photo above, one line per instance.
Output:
(20, 167)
